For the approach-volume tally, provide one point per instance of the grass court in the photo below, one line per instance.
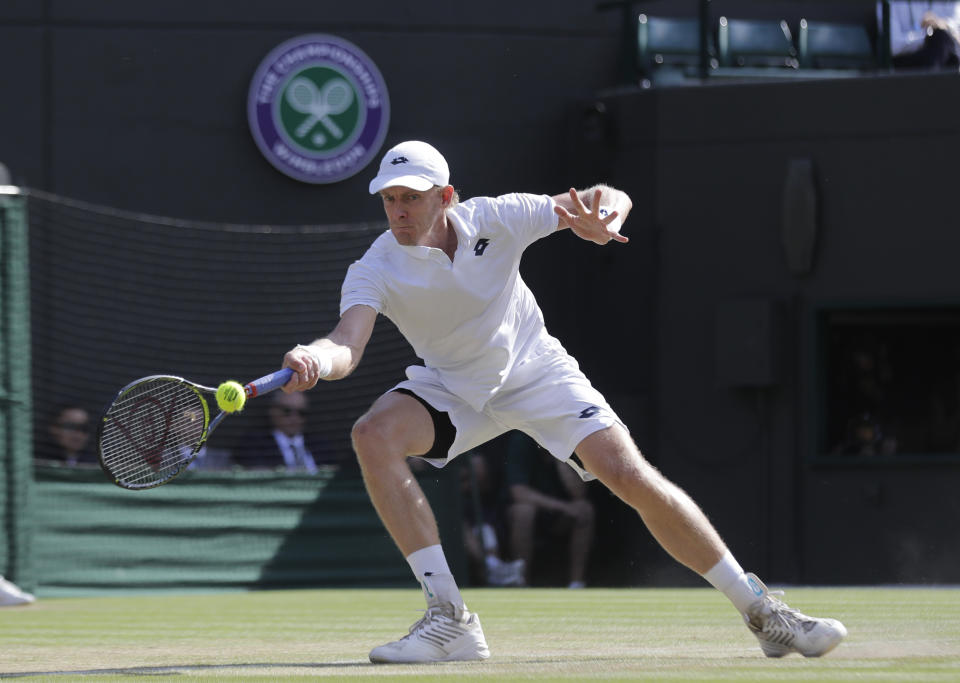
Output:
(689, 634)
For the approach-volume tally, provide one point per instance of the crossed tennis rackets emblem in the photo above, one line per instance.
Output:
(319, 104)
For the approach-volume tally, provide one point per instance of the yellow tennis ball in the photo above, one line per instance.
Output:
(231, 397)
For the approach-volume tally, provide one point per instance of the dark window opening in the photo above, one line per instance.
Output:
(891, 381)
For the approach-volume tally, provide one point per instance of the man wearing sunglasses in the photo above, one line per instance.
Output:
(284, 444)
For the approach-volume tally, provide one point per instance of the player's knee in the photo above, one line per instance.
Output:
(379, 437)
(369, 435)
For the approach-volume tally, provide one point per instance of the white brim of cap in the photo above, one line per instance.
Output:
(414, 182)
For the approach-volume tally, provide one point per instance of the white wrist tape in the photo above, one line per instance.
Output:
(323, 360)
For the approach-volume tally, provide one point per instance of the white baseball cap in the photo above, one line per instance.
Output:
(412, 164)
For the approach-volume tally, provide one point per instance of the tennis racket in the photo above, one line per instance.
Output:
(156, 426)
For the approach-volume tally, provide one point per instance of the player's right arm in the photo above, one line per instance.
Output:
(334, 356)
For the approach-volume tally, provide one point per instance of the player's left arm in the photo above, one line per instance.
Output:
(583, 212)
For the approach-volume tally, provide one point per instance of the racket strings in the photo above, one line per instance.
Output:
(151, 432)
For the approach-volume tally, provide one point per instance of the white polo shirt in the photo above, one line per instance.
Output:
(471, 319)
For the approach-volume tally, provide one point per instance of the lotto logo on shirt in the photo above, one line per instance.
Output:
(318, 108)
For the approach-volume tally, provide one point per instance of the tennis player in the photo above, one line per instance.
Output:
(447, 274)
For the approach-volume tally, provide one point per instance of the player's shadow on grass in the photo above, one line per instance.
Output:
(185, 668)
(340, 541)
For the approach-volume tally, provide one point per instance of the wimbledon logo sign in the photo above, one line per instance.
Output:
(318, 108)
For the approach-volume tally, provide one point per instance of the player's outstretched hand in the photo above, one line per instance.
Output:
(590, 225)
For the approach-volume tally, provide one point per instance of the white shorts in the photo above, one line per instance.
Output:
(547, 397)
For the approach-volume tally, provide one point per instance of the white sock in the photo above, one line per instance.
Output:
(430, 567)
(728, 577)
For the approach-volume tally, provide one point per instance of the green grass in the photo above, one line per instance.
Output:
(534, 634)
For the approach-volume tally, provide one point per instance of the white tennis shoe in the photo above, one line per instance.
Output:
(782, 630)
(11, 594)
(500, 573)
(444, 634)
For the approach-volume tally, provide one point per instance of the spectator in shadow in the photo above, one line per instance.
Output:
(866, 437)
(867, 413)
(284, 444)
(925, 35)
(66, 438)
(547, 499)
(481, 526)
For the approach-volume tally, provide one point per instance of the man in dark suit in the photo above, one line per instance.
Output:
(283, 445)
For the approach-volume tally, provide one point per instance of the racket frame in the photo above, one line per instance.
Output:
(257, 387)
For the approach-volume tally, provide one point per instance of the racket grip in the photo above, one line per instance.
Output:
(267, 383)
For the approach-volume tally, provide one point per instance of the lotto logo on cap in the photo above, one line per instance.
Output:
(413, 164)
(318, 108)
